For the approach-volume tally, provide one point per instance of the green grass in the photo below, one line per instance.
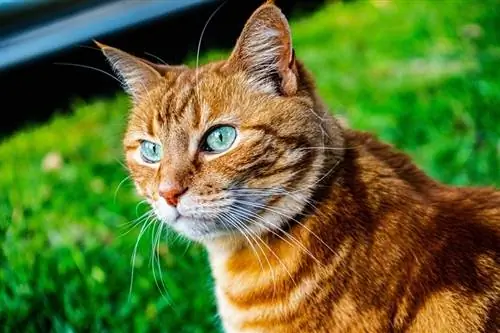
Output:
(423, 75)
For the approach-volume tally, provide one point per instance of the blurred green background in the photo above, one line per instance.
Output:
(422, 74)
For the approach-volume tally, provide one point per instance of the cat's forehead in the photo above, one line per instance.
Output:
(189, 101)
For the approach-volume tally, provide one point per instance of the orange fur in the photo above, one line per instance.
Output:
(345, 233)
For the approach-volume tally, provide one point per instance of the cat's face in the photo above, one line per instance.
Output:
(230, 147)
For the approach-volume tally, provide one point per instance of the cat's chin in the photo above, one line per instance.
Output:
(198, 230)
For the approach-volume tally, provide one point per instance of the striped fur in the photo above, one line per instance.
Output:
(340, 232)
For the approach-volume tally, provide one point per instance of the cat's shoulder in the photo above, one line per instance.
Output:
(360, 144)
(478, 198)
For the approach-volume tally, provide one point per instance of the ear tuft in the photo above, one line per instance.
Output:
(99, 44)
(264, 51)
(137, 75)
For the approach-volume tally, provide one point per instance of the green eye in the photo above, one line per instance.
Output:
(151, 152)
(219, 139)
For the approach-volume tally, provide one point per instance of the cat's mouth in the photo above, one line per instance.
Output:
(200, 220)
(190, 223)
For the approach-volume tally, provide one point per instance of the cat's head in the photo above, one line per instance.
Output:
(230, 147)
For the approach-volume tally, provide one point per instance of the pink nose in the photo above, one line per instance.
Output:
(172, 195)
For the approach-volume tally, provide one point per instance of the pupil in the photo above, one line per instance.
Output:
(220, 136)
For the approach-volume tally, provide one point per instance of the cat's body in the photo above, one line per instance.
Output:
(388, 250)
(310, 226)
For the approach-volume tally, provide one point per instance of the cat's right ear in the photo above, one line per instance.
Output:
(137, 75)
(264, 51)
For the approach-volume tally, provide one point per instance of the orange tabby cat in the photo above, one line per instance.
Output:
(310, 226)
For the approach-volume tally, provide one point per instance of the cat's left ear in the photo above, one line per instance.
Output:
(264, 51)
(137, 75)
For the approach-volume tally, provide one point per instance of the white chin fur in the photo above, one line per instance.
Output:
(192, 228)
(165, 213)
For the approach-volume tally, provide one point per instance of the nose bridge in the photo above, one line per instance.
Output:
(175, 173)
(176, 168)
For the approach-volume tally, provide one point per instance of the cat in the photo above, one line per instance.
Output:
(310, 226)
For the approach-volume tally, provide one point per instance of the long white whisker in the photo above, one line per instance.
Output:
(275, 210)
(139, 205)
(238, 225)
(273, 275)
(122, 164)
(135, 223)
(293, 239)
(156, 256)
(153, 242)
(146, 225)
(327, 148)
(199, 46)
(272, 192)
(156, 57)
(267, 246)
(146, 90)
(125, 224)
(118, 187)
(289, 218)
(334, 167)
(90, 67)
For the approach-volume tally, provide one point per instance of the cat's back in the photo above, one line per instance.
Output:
(480, 202)
(461, 274)
(451, 233)
(467, 215)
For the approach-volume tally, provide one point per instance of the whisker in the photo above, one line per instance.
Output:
(267, 246)
(235, 223)
(147, 91)
(118, 187)
(188, 244)
(292, 219)
(153, 241)
(307, 201)
(270, 193)
(122, 164)
(329, 148)
(146, 225)
(273, 275)
(156, 256)
(142, 202)
(293, 239)
(90, 67)
(94, 48)
(156, 57)
(199, 45)
(134, 223)
(334, 167)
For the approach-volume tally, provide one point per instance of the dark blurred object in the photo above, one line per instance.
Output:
(34, 28)
(37, 85)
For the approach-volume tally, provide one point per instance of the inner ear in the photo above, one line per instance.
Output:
(264, 51)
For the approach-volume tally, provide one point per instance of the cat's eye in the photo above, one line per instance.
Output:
(151, 152)
(219, 139)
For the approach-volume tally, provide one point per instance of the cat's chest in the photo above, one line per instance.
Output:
(289, 316)
(284, 297)
(251, 319)
(261, 303)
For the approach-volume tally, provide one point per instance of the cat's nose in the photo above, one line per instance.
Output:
(173, 194)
